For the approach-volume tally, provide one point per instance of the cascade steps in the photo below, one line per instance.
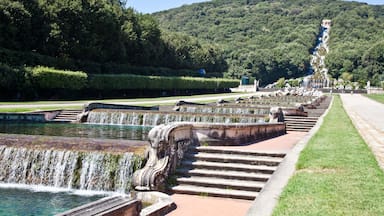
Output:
(67, 116)
(225, 172)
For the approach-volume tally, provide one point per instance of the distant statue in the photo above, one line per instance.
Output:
(276, 115)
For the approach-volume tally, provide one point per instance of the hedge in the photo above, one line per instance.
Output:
(49, 78)
(126, 81)
(11, 78)
(33, 59)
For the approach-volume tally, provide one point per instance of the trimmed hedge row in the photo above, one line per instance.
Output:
(49, 78)
(127, 81)
(32, 59)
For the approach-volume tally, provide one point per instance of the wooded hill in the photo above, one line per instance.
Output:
(98, 48)
(97, 36)
(269, 39)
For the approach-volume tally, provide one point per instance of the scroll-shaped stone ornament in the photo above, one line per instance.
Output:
(152, 174)
(167, 146)
(276, 115)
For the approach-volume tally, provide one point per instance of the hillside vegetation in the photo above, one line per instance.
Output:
(269, 39)
(96, 36)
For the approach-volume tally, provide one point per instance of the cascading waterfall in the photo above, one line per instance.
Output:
(156, 118)
(67, 169)
(225, 110)
(318, 71)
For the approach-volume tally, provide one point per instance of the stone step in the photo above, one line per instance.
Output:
(299, 120)
(229, 166)
(298, 124)
(226, 150)
(224, 174)
(235, 158)
(217, 192)
(232, 184)
(67, 116)
(298, 129)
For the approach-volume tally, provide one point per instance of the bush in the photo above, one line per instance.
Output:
(49, 78)
(127, 81)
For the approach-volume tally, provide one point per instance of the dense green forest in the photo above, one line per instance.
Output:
(99, 32)
(268, 39)
(101, 39)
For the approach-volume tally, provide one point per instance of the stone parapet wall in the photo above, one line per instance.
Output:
(23, 117)
(92, 106)
(236, 134)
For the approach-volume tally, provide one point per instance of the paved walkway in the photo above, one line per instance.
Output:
(210, 206)
(368, 117)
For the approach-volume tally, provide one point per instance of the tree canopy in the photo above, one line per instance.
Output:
(101, 31)
(271, 39)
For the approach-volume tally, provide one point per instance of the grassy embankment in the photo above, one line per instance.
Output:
(376, 97)
(336, 174)
(52, 105)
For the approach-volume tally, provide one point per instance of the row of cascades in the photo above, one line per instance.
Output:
(190, 115)
(96, 171)
(318, 77)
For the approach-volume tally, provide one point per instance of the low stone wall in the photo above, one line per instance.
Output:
(241, 134)
(168, 144)
(23, 117)
(109, 206)
(92, 106)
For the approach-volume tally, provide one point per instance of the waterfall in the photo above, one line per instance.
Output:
(67, 169)
(318, 70)
(225, 110)
(157, 118)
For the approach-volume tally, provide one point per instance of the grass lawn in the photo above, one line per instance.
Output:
(376, 97)
(52, 105)
(158, 99)
(336, 173)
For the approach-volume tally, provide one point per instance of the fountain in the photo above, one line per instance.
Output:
(108, 165)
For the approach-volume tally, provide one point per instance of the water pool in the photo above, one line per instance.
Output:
(122, 132)
(23, 201)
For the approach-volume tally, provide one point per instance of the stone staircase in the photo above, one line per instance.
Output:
(67, 116)
(225, 172)
(299, 123)
(304, 124)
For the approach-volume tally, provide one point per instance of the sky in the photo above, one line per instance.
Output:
(150, 6)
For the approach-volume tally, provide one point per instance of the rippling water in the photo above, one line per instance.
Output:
(33, 201)
(77, 130)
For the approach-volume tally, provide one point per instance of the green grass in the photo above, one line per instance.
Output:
(52, 105)
(376, 97)
(158, 99)
(19, 110)
(336, 173)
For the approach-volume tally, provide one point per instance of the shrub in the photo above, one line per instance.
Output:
(50, 78)
(11, 78)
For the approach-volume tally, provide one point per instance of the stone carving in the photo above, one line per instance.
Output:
(298, 110)
(167, 146)
(276, 115)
